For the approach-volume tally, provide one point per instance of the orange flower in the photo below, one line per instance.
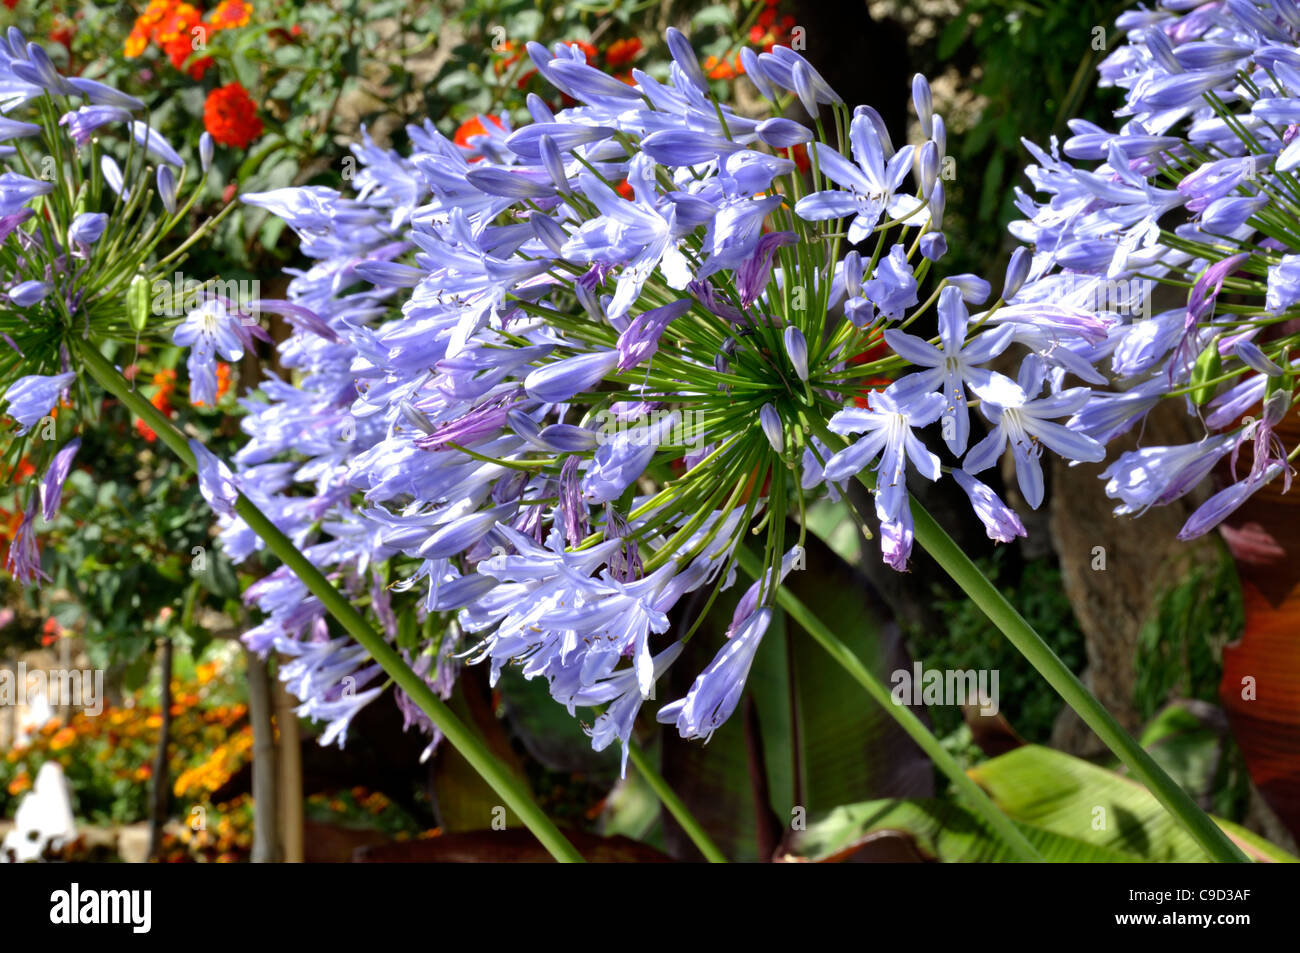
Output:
(230, 14)
(715, 68)
(621, 52)
(23, 781)
(165, 381)
(62, 739)
(177, 24)
(136, 43)
(230, 116)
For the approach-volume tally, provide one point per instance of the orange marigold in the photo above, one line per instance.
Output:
(230, 116)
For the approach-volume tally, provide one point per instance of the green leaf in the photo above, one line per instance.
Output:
(1071, 797)
(952, 36)
(940, 830)
(714, 15)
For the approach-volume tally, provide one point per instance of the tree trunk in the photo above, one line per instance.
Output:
(161, 800)
(266, 840)
(290, 775)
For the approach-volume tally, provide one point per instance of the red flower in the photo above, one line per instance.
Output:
(621, 52)
(876, 350)
(62, 33)
(11, 3)
(230, 116)
(179, 50)
(470, 130)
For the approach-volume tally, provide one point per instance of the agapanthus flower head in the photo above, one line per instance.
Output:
(73, 267)
(1195, 190)
(552, 377)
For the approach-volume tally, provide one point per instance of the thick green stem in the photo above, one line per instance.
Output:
(905, 717)
(457, 733)
(668, 797)
(1030, 644)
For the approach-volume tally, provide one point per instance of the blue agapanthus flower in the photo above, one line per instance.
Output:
(1196, 190)
(73, 258)
(544, 386)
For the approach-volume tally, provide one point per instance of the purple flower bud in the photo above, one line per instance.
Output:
(113, 176)
(458, 593)
(509, 184)
(538, 109)
(928, 166)
(933, 246)
(560, 380)
(28, 293)
(167, 188)
(924, 103)
(389, 274)
(770, 421)
(566, 438)
(87, 227)
(566, 136)
(101, 95)
(52, 484)
(803, 87)
(939, 135)
(154, 143)
(684, 56)
(458, 535)
(797, 349)
(1017, 272)
(13, 129)
(753, 274)
(206, 149)
(548, 232)
(782, 133)
(17, 190)
(853, 274)
(754, 73)
(686, 147)
(1253, 357)
(554, 163)
(937, 200)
